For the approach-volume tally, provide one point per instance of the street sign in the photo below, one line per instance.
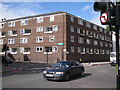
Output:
(103, 18)
(60, 43)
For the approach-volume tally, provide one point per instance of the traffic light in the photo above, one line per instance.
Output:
(107, 12)
(5, 47)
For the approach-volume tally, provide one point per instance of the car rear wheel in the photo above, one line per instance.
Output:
(67, 77)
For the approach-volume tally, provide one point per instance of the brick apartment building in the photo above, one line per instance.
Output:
(55, 36)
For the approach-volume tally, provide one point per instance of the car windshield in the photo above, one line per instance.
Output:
(62, 64)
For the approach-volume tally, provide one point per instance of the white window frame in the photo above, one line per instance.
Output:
(83, 34)
(55, 28)
(1, 25)
(72, 49)
(78, 30)
(23, 33)
(72, 28)
(53, 49)
(24, 41)
(83, 50)
(91, 51)
(1, 34)
(52, 38)
(80, 21)
(72, 39)
(23, 22)
(95, 42)
(72, 19)
(12, 52)
(11, 24)
(39, 19)
(39, 29)
(39, 49)
(88, 41)
(12, 41)
(28, 52)
(52, 18)
(21, 49)
(38, 39)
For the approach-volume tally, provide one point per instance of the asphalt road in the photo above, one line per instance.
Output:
(101, 76)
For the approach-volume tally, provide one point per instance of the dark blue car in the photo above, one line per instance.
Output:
(64, 70)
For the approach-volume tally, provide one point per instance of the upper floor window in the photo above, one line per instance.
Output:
(39, 19)
(1, 41)
(72, 19)
(88, 24)
(27, 50)
(2, 34)
(102, 37)
(39, 49)
(12, 32)
(25, 31)
(80, 40)
(95, 42)
(52, 18)
(82, 50)
(101, 44)
(72, 28)
(11, 41)
(24, 22)
(72, 38)
(72, 49)
(89, 34)
(96, 35)
(78, 30)
(13, 50)
(23, 40)
(82, 32)
(39, 39)
(78, 49)
(80, 21)
(11, 24)
(54, 49)
(50, 29)
(1, 25)
(101, 29)
(39, 29)
(88, 41)
(51, 39)
(94, 27)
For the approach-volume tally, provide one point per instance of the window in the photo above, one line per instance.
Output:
(82, 32)
(88, 24)
(39, 29)
(51, 39)
(82, 50)
(21, 49)
(97, 51)
(48, 50)
(54, 49)
(89, 34)
(25, 31)
(102, 51)
(1, 25)
(94, 27)
(101, 44)
(1, 41)
(96, 35)
(12, 33)
(26, 50)
(72, 49)
(80, 21)
(11, 41)
(87, 50)
(39, 39)
(24, 22)
(78, 30)
(72, 19)
(72, 28)
(80, 40)
(106, 44)
(52, 18)
(23, 40)
(88, 41)
(2, 34)
(50, 29)
(91, 51)
(11, 24)
(101, 29)
(78, 49)
(39, 19)
(107, 52)
(13, 50)
(72, 38)
(102, 37)
(95, 42)
(39, 49)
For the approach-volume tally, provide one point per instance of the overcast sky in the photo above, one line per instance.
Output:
(11, 10)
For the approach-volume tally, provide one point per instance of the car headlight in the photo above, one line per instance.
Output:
(59, 73)
(44, 72)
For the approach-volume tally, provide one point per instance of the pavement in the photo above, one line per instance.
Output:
(17, 66)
